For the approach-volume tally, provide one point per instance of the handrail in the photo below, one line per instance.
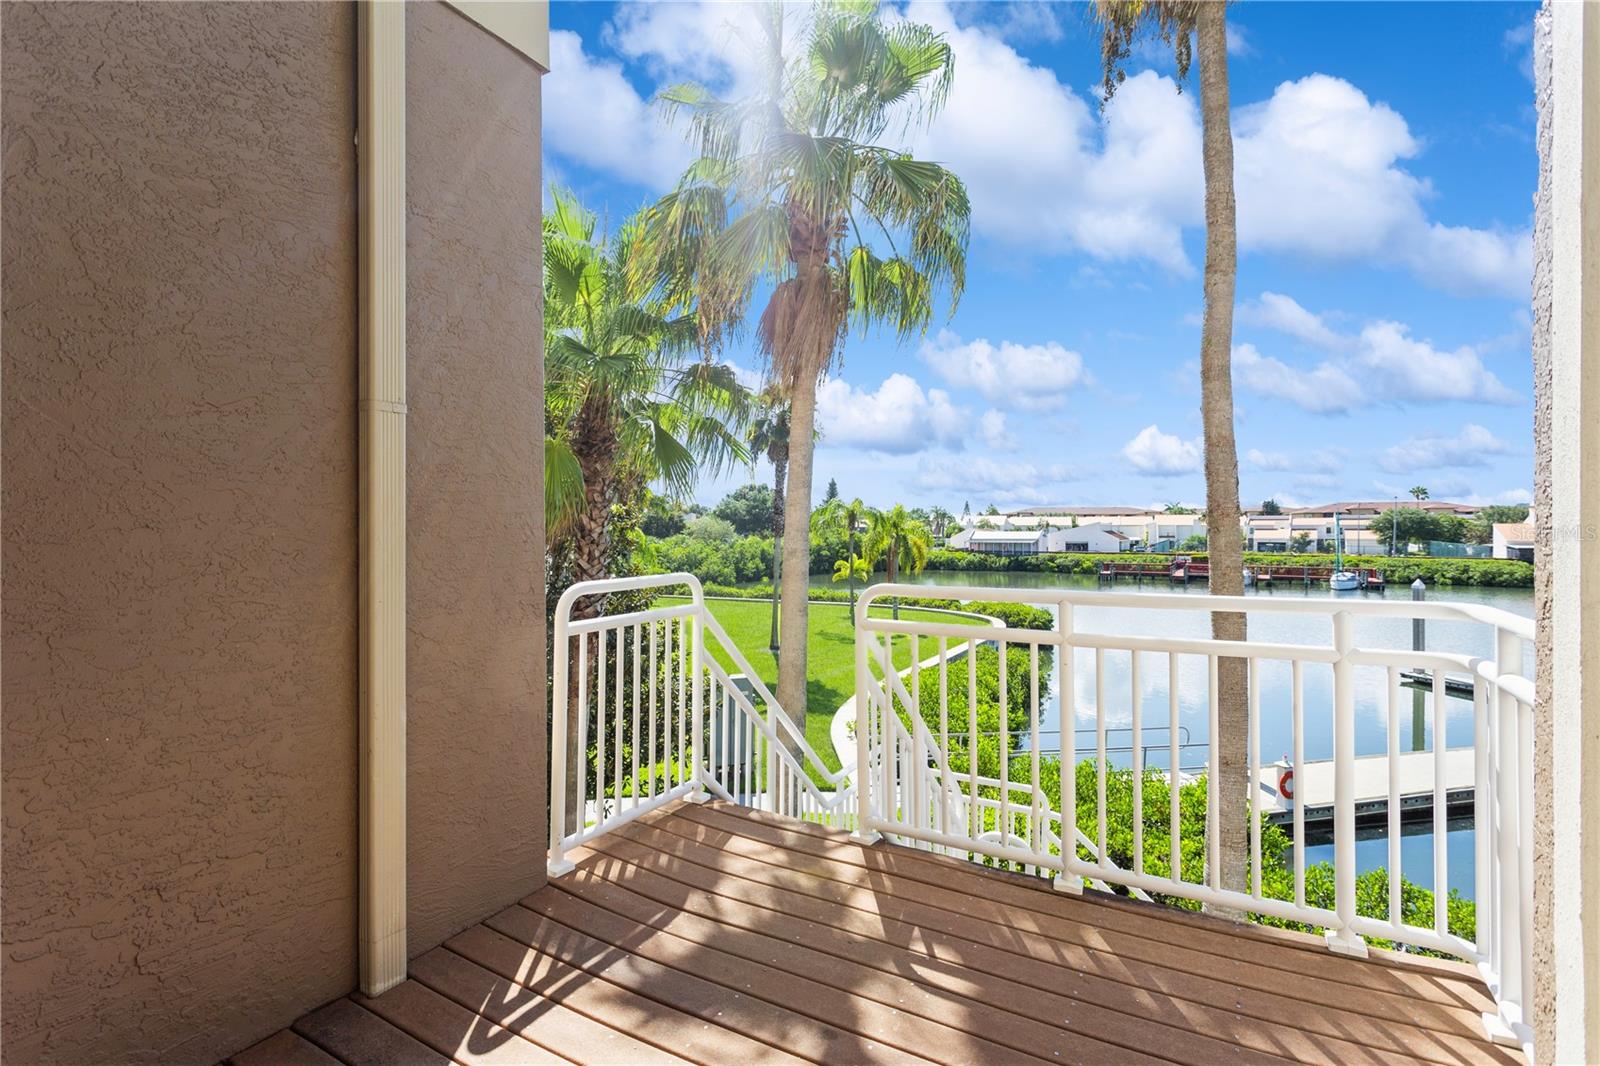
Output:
(659, 720)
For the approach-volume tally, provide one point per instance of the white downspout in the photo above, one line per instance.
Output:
(381, 186)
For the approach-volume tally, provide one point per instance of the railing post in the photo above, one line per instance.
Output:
(1511, 849)
(864, 832)
(558, 863)
(1344, 940)
(697, 701)
(1069, 879)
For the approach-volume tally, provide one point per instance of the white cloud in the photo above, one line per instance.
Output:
(1159, 454)
(1390, 364)
(1318, 168)
(993, 480)
(993, 433)
(1030, 376)
(1268, 460)
(1326, 461)
(1283, 313)
(1472, 446)
(594, 116)
(1318, 172)
(898, 418)
(1415, 370)
(1325, 389)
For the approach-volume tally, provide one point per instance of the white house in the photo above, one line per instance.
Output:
(1513, 540)
(1001, 541)
(1094, 537)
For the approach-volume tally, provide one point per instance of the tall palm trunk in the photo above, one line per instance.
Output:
(780, 463)
(1230, 758)
(894, 572)
(796, 572)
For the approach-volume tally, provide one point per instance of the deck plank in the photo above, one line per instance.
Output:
(357, 1037)
(1227, 950)
(283, 1048)
(1012, 982)
(452, 1030)
(678, 1016)
(544, 1019)
(714, 934)
(967, 1031)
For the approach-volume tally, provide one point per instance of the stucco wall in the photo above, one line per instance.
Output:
(476, 816)
(179, 525)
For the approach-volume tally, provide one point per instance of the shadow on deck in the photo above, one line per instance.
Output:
(717, 934)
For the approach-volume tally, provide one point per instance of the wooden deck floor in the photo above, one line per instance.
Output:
(719, 935)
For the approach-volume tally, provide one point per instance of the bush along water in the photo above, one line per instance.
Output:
(1500, 573)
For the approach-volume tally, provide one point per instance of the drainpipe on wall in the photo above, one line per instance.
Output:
(381, 187)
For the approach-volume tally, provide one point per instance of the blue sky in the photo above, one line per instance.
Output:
(1385, 167)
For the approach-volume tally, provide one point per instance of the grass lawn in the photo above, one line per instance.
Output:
(831, 665)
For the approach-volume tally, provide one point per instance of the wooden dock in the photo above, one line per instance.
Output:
(1313, 788)
(1183, 570)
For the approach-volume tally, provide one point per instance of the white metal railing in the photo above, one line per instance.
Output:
(644, 713)
(916, 791)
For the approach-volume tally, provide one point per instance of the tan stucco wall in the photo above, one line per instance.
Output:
(179, 525)
(476, 817)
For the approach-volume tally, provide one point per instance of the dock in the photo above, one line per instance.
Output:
(1313, 788)
(1183, 570)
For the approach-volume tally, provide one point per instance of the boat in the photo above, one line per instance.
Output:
(1341, 580)
(1249, 578)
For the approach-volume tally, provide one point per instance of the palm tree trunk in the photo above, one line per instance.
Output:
(1230, 758)
(796, 573)
(893, 572)
(779, 465)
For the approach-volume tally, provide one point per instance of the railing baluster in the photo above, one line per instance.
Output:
(1508, 796)
(683, 700)
(1482, 821)
(1298, 756)
(638, 700)
(1005, 751)
(1441, 853)
(601, 725)
(1100, 754)
(1213, 873)
(1137, 757)
(974, 815)
(1036, 815)
(944, 730)
(1392, 692)
(1253, 734)
(1175, 831)
(1067, 715)
(581, 785)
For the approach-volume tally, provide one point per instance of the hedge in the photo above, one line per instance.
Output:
(1500, 573)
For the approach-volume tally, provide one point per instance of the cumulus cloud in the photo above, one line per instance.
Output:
(1160, 454)
(594, 116)
(1284, 314)
(1319, 170)
(1029, 376)
(994, 480)
(1472, 446)
(1390, 363)
(993, 433)
(899, 417)
(1324, 389)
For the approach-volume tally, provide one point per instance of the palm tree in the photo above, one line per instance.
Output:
(939, 522)
(625, 406)
(1419, 492)
(793, 190)
(769, 436)
(847, 517)
(1122, 23)
(901, 540)
(852, 569)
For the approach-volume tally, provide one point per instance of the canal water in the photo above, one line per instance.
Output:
(1416, 715)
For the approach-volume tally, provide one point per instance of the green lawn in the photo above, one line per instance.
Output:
(831, 664)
